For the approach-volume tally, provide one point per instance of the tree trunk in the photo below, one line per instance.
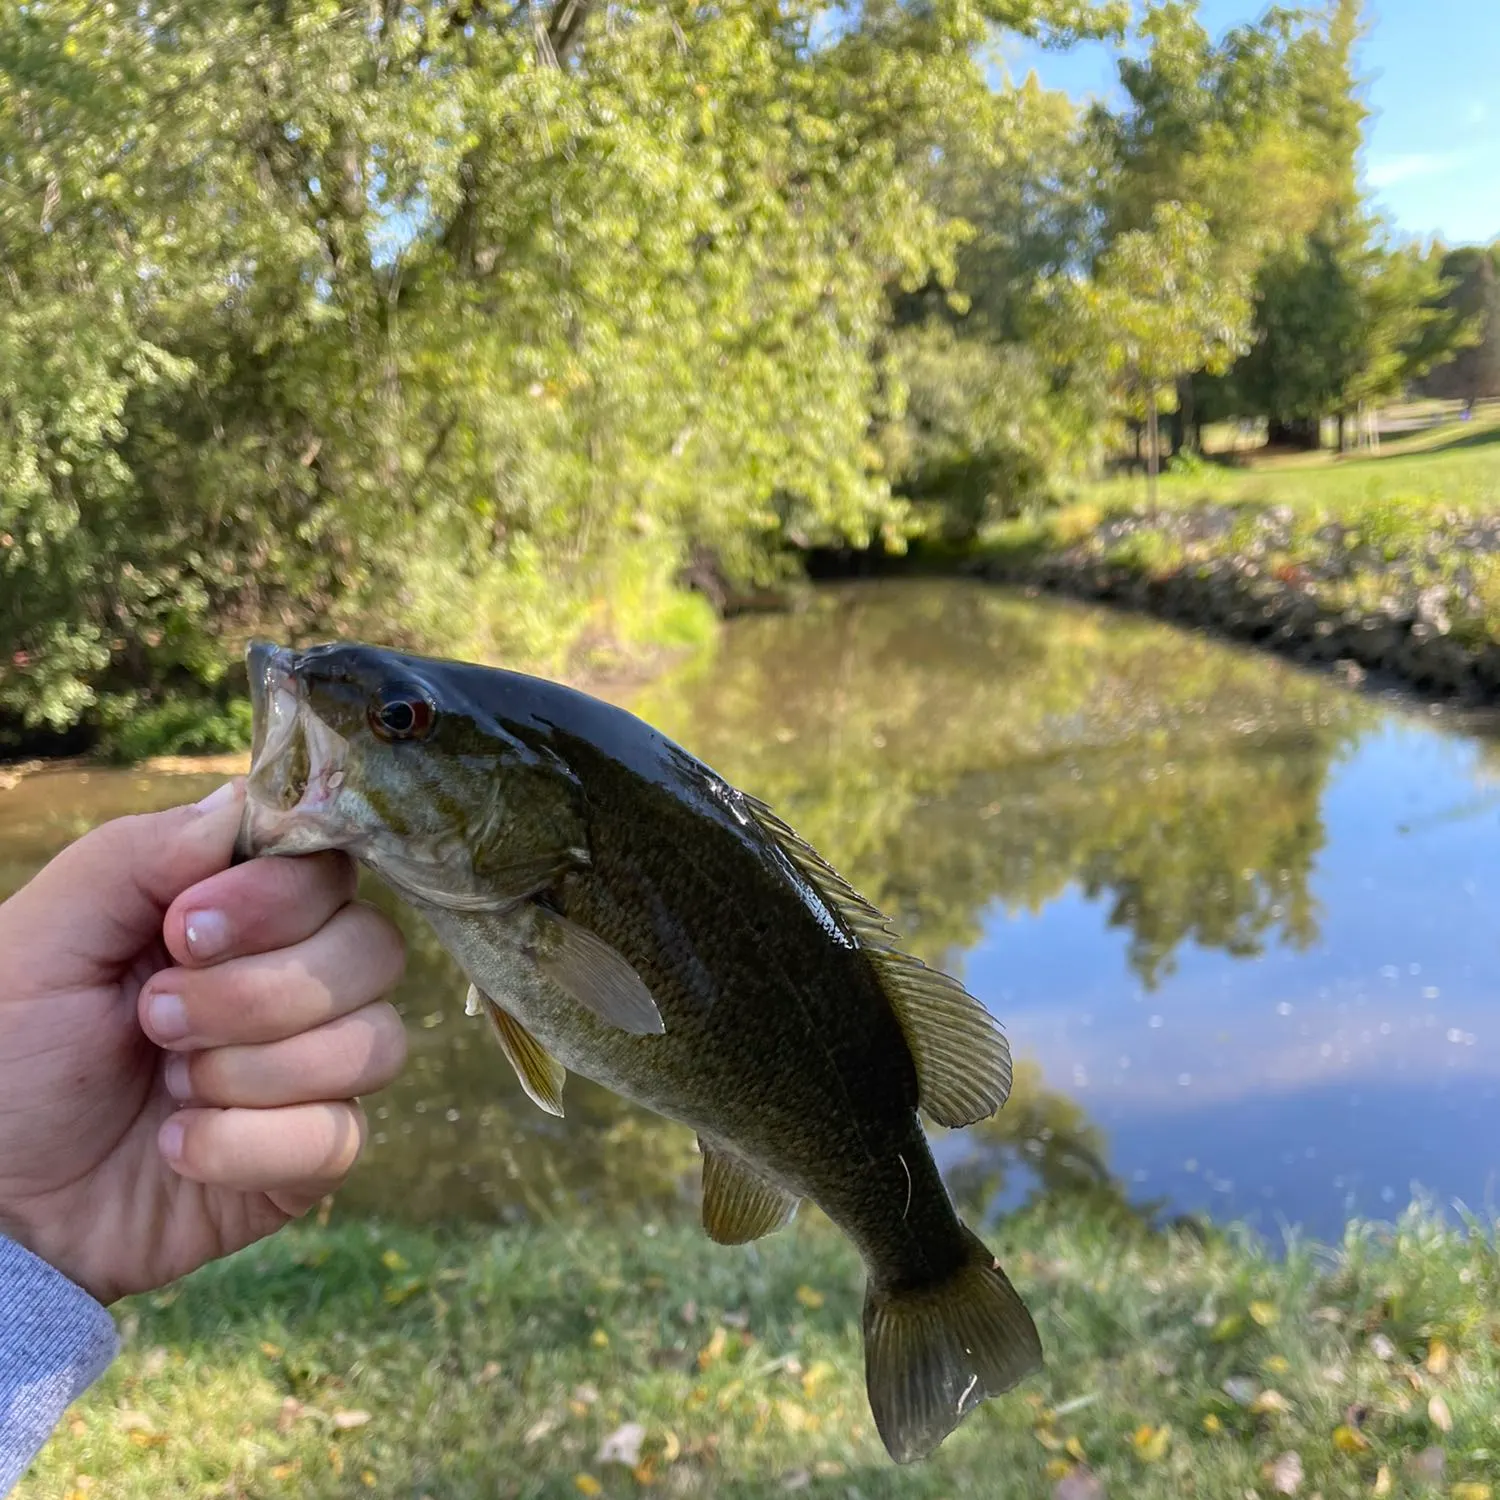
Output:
(1189, 437)
(1153, 449)
(1343, 433)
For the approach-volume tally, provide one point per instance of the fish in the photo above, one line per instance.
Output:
(624, 913)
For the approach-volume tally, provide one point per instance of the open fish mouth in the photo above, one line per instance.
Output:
(296, 763)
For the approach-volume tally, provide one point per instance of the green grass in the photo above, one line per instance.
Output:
(355, 1361)
(1458, 462)
(1404, 520)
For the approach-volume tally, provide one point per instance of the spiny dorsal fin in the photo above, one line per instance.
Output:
(594, 974)
(867, 922)
(541, 1075)
(961, 1055)
(739, 1205)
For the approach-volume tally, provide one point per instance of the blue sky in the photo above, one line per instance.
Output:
(1432, 70)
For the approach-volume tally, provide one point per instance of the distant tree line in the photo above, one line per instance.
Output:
(464, 324)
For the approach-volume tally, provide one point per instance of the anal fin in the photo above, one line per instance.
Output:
(739, 1205)
(541, 1075)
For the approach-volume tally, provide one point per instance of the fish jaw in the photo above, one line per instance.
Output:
(297, 765)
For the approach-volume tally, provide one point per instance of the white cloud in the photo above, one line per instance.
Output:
(1476, 112)
(1405, 166)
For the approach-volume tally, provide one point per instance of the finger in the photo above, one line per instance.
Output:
(355, 1054)
(357, 956)
(303, 1150)
(257, 906)
(102, 899)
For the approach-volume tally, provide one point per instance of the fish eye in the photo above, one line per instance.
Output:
(400, 714)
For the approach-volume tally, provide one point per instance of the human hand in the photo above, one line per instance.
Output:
(181, 1044)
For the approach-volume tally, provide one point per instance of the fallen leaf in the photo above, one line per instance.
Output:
(285, 1471)
(827, 1468)
(1382, 1348)
(1212, 1424)
(271, 1351)
(808, 1297)
(487, 1374)
(1075, 1449)
(78, 1427)
(393, 1260)
(644, 1473)
(1439, 1357)
(367, 1478)
(586, 1394)
(1275, 1364)
(1428, 1466)
(1439, 1415)
(344, 1420)
(1226, 1328)
(622, 1446)
(1151, 1443)
(400, 1291)
(671, 1447)
(336, 1460)
(689, 1313)
(599, 1339)
(1058, 1468)
(1269, 1402)
(1470, 1489)
(156, 1361)
(1349, 1439)
(713, 1349)
(539, 1429)
(1264, 1313)
(798, 1479)
(1285, 1473)
(149, 1439)
(1079, 1485)
(1382, 1485)
(134, 1421)
(813, 1380)
(793, 1417)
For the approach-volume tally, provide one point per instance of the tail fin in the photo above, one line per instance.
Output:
(933, 1354)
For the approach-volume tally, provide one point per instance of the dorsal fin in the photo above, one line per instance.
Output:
(961, 1055)
(867, 922)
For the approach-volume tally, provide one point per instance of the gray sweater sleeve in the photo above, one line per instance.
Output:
(55, 1341)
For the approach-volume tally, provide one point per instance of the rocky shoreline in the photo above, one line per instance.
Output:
(1212, 568)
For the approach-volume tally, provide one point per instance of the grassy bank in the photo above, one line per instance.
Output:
(556, 1362)
(1408, 538)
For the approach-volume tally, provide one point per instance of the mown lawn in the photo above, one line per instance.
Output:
(559, 1362)
(1410, 533)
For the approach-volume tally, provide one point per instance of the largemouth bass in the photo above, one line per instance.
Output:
(623, 912)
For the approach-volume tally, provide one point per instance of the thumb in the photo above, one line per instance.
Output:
(102, 900)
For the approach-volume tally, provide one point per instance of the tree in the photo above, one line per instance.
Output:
(1156, 308)
(1473, 372)
(1257, 132)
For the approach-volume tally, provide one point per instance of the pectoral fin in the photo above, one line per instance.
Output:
(594, 974)
(738, 1204)
(541, 1075)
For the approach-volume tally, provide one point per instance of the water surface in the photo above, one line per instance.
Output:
(1238, 921)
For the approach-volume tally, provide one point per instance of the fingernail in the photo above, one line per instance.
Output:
(168, 1017)
(169, 1138)
(175, 1075)
(207, 933)
(217, 798)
